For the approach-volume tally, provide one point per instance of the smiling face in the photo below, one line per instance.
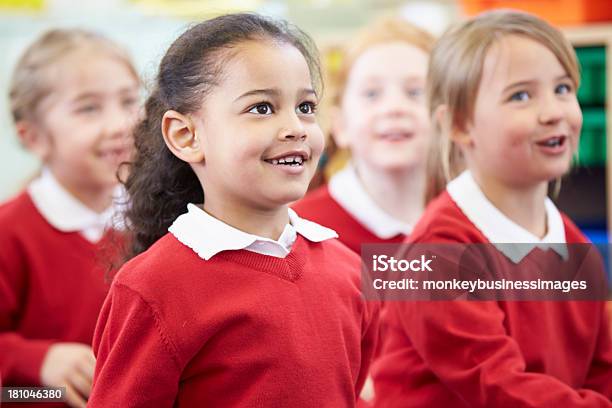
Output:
(257, 129)
(84, 124)
(383, 119)
(526, 120)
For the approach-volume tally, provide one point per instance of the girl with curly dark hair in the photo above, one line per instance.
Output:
(242, 302)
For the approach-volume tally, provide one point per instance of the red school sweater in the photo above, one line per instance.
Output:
(241, 329)
(319, 206)
(52, 286)
(491, 354)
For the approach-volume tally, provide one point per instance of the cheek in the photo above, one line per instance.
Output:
(358, 116)
(75, 147)
(316, 139)
(423, 124)
(575, 118)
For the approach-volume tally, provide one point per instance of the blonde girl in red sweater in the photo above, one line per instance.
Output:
(74, 98)
(379, 115)
(502, 91)
(237, 301)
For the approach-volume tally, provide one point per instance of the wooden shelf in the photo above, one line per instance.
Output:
(600, 35)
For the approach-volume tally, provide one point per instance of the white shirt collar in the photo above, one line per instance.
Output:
(66, 213)
(207, 235)
(346, 188)
(501, 230)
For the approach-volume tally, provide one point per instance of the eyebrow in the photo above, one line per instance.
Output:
(94, 95)
(272, 93)
(529, 82)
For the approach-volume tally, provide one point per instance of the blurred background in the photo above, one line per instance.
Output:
(146, 28)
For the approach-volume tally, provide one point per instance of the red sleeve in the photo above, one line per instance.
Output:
(369, 341)
(137, 363)
(20, 358)
(600, 374)
(466, 346)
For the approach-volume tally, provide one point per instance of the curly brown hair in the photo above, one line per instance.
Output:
(159, 184)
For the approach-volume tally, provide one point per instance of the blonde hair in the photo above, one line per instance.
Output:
(455, 71)
(384, 30)
(31, 81)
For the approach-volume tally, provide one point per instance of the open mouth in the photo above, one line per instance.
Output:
(290, 160)
(552, 142)
(395, 136)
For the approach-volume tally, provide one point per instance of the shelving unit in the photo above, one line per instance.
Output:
(587, 193)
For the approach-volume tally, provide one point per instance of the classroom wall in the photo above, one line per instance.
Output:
(146, 28)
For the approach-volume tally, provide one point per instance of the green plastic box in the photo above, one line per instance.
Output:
(592, 89)
(592, 146)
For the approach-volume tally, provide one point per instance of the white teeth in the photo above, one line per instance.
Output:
(288, 161)
(553, 142)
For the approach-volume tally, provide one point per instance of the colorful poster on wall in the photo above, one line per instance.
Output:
(21, 5)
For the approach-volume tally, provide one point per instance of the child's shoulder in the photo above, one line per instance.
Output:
(17, 214)
(158, 264)
(573, 235)
(319, 206)
(443, 221)
(16, 206)
(334, 247)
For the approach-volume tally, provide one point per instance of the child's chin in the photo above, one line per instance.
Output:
(105, 181)
(399, 165)
(291, 195)
(559, 171)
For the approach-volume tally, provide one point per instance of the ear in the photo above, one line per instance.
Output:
(338, 128)
(33, 138)
(458, 135)
(181, 138)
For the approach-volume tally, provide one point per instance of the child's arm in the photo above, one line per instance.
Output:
(137, 363)
(37, 362)
(466, 346)
(20, 358)
(600, 374)
(369, 339)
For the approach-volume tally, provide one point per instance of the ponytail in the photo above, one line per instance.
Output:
(159, 184)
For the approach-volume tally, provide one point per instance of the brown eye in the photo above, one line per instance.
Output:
(306, 108)
(261, 109)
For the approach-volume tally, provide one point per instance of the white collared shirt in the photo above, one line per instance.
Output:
(346, 188)
(501, 230)
(207, 235)
(66, 213)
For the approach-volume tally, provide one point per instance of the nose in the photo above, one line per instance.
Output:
(396, 103)
(292, 128)
(551, 110)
